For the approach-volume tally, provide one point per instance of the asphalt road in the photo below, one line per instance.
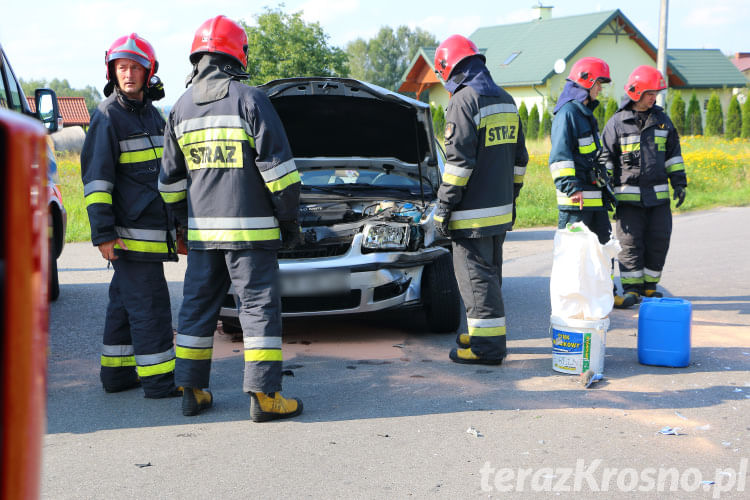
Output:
(387, 413)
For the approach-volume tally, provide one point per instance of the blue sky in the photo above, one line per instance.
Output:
(68, 39)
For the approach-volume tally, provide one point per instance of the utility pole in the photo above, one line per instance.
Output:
(661, 58)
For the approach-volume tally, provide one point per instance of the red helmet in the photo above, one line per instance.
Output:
(452, 51)
(642, 79)
(220, 34)
(586, 71)
(135, 48)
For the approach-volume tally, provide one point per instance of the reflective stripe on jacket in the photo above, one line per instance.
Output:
(120, 164)
(575, 146)
(228, 170)
(641, 160)
(485, 156)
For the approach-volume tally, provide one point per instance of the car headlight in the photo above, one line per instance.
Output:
(386, 236)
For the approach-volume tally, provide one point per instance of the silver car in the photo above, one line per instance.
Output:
(370, 169)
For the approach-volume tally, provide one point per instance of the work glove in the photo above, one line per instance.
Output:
(679, 195)
(516, 192)
(291, 234)
(442, 217)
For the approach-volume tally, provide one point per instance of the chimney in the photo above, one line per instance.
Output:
(542, 11)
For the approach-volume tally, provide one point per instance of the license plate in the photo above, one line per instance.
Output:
(315, 283)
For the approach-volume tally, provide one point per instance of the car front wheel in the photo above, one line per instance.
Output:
(440, 296)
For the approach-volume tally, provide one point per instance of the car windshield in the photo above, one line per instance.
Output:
(360, 178)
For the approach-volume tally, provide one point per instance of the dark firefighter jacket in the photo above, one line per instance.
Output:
(575, 146)
(228, 170)
(120, 164)
(485, 156)
(640, 159)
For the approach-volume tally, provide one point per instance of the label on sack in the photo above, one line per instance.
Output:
(571, 351)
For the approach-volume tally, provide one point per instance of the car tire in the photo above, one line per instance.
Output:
(54, 283)
(440, 296)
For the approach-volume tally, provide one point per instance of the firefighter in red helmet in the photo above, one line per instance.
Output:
(120, 163)
(485, 163)
(238, 206)
(642, 151)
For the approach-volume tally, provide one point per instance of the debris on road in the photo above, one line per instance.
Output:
(681, 415)
(474, 432)
(143, 465)
(589, 377)
(400, 346)
(671, 431)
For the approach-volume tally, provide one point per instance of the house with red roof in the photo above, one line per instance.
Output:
(72, 109)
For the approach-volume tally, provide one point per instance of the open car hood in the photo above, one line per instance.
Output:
(335, 118)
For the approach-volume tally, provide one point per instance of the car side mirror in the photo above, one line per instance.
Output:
(47, 109)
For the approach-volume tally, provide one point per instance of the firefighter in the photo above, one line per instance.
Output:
(642, 150)
(230, 178)
(485, 163)
(575, 149)
(120, 164)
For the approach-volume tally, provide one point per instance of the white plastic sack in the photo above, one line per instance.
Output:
(581, 282)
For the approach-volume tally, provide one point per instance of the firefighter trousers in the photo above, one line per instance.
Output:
(138, 337)
(644, 233)
(478, 263)
(253, 274)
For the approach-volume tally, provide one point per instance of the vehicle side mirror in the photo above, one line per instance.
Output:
(47, 109)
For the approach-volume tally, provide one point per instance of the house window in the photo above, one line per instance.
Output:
(705, 104)
(510, 58)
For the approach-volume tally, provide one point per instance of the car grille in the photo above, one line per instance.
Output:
(348, 300)
(313, 252)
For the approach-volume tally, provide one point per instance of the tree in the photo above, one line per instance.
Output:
(533, 130)
(746, 118)
(677, 113)
(734, 119)
(714, 116)
(611, 109)
(523, 114)
(383, 60)
(693, 119)
(284, 45)
(63, 89)
(546, 128)
(438, 121)
(599, 115)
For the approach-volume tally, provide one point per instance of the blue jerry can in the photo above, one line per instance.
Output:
(664, 332)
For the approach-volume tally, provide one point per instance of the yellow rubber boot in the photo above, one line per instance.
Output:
(467, 356)
(195, 401)
(653, 293)
(265, 407)
(463, 340)
(629, 299)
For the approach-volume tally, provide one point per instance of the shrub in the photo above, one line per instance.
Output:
(599, 115)
(438, 121)
(693, 118)
(533, 130)
(746, 118)
(611, 109)
(714, 116)
(546, 128)
(677, 113)
(734, 119)
(523, 113)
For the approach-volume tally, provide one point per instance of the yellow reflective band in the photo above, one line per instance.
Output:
(626, 148)
(495, 220)
(494, 331)
(662, 195)
(587, 149)
(98, 198)
(587, 202)
(455, 180)
(651, 279)
(501, 128)
(234, 234)
(157, 369)
(140, 156)
(118, 361)
(263, 355)
(215, 134)
(144, 246)
(676, 167)
(216, 154)
(173, 197)
(518, 179)
(631, 281)
(196, 354)
(563, 172)
(628, 196)
(438, 218)
(284, 182)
